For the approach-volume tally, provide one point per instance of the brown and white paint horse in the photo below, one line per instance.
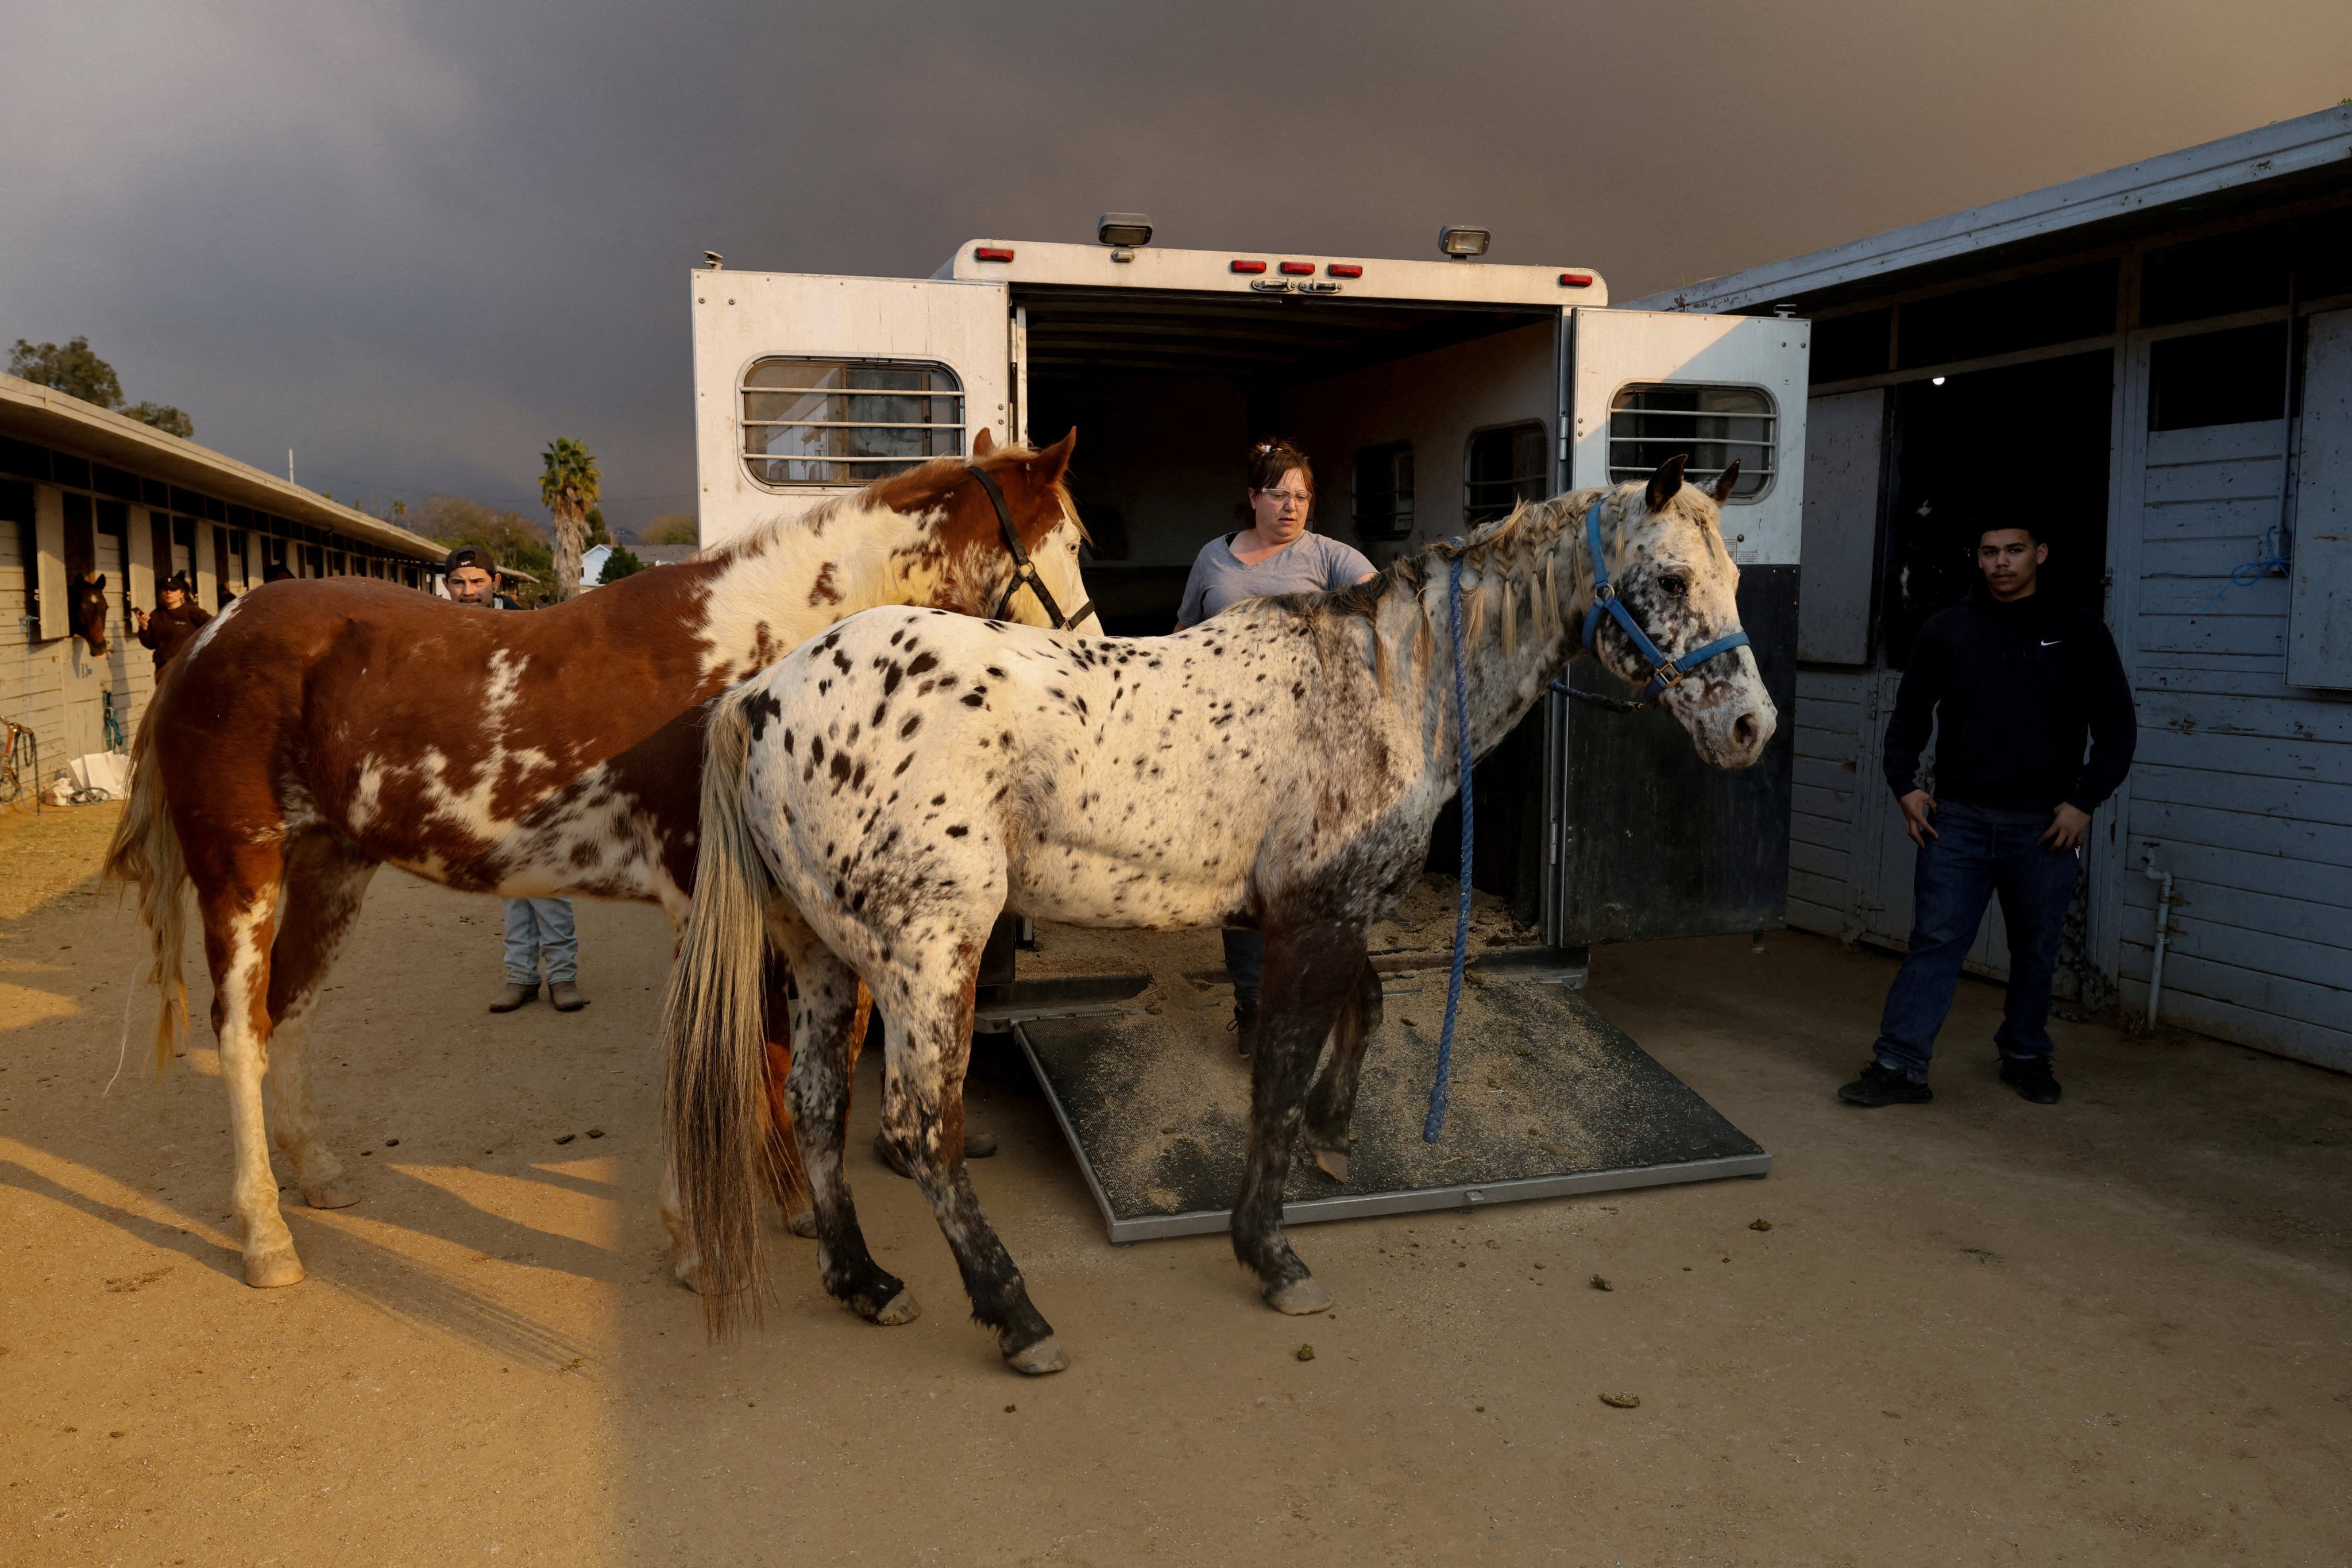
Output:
(871, 803)
(317, 730)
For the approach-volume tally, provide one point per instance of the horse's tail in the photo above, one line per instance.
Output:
(712, 1019)
(145, 854)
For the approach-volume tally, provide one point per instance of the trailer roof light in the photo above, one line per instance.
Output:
(1124, 231)
(1461, 242)
(1249, 267)
(992, 253)
(1299, 268)
(1344, 269)
(1576, 279)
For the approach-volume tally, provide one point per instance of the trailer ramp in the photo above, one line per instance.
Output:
(1549, 1099)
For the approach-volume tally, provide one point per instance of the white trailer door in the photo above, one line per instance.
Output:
(1647, 841)
(806, 387)
(1641, 383)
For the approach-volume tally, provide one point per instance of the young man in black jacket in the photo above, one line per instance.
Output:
(2013, 682)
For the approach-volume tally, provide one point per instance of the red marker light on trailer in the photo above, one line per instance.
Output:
(1299, 268)
(1576, 279)
(992, 253)
(1344, 269)
(1249, 267)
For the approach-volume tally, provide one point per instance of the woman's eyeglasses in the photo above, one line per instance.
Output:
(1283, 498)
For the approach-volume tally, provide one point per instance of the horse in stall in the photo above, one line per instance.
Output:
(1279, 766)
(314, 731)
(85, 612)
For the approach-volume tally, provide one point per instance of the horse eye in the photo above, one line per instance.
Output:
(1676, 586)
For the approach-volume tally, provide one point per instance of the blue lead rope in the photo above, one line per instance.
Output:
(1664, 672)
(1435, 1125)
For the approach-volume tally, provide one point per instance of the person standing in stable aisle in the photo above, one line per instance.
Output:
(2013, 682)
(540, 935)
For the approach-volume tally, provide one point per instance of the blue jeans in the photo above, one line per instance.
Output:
(1981, 852)
(1246, 962)
(540, 929)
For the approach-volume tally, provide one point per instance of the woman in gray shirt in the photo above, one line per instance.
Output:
(1276, 554)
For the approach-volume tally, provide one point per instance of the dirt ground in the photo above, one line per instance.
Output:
(2115, 1331)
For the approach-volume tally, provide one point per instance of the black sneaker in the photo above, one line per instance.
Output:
(2029, 1076)
(1880, 1085)
(1245, 1023)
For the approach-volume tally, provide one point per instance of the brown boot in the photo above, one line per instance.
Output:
(513, 996)
(564, 995)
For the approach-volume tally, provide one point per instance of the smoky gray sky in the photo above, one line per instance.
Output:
(414, 241)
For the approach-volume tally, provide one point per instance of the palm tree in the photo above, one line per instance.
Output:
(569, 487)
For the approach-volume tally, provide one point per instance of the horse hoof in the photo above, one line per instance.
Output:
(978, 1145)
(333, 1195)
(892, 1156)
(1334, 1165)
(899, 1308)
(803, 1225)
(1039, 1359)
(274, 1269)
(1300, 1298)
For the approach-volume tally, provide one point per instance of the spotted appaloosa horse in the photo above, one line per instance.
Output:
(871, 803)
(314, 731)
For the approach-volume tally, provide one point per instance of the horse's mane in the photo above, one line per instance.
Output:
(1515, 557)
(936, 475)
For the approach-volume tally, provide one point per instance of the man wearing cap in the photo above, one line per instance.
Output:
(171, 629)
(540, 934)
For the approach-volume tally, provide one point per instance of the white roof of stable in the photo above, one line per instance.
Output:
(2307, 143)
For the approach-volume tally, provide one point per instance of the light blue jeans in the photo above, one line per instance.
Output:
(540, 930)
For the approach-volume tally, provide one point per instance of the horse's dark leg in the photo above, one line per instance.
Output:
(1309, 972)
(1331, 1103)
(824, 1056)
(325, 881)
(922, 1114)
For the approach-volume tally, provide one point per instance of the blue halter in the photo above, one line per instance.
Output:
(1664, 671)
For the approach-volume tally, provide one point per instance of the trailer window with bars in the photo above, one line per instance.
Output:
(847, 422)
(1710, 425)
(1504, 466)
(1383, 490)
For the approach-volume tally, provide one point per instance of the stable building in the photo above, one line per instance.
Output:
(2153, 366)
(86, 492)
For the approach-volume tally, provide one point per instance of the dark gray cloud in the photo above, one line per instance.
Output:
(416, 241)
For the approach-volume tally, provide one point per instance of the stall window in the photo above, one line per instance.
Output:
(2236, 377)
(1709, 426)
(82, 539)
(1504, 466)
(847, 422)
(114, 522)
(1383, 492)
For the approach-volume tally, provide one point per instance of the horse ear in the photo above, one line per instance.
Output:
(1055, 460)
(101, 582)
(1665, 484)
(1720, 491)
(983, 443)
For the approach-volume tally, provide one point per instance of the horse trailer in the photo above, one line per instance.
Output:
(1432, 396)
